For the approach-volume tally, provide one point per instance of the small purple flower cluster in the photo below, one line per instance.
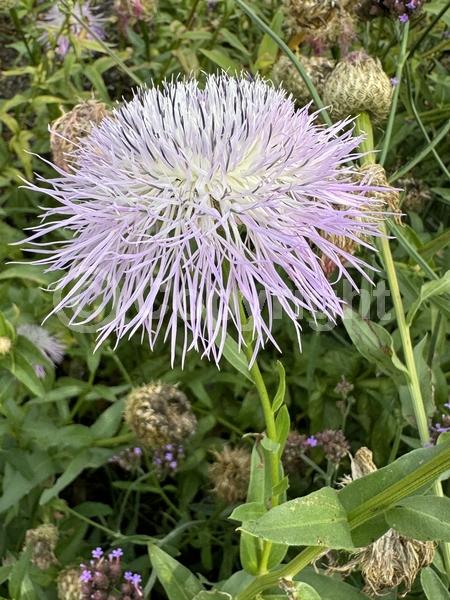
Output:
(443, 426)
(102, 578)
(333, 443)
(167, 459)
(129, 459)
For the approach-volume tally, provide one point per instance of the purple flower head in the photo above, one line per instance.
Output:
(128, 576)
(58, 25)
(49, 345)
(403, 18)
(97, 553)
(116, 553)
(394, 81)
(312, 441)
(187, 199)
(85, 576)
(411, 5)
(136, 579)
(137, 451)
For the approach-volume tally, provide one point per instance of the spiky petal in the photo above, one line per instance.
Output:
(186, 200)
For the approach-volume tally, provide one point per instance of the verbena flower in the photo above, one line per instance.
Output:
(58, 25)
(185, 200)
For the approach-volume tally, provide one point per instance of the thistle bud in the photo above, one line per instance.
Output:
(42, 543)
(358, 84)
(159, 414)
(317, 68)
(69, 584)
(296, 445)
(67, 131)
(230, 474)
(392, 8)
(5, 345)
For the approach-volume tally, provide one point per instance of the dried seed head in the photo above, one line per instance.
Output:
(375, 175)
(42, 542)
(159, 414)
(69, 584)
(5, 345)
(230, 474)
(285, 74)
(393, 560)
(67, 131)
(323, 21)
(358, 84)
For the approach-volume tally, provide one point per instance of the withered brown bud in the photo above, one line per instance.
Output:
(230, 474)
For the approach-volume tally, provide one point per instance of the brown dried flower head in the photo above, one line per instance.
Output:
(130, 12)
(42, 543)
(66, 132)
(326, 21)
(358, 84)
(69, 584)
(230, 474)
(416, 196)
(285, 74)
(393, 561)
(159, 414)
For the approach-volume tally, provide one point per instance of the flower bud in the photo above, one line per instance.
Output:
(334, 444)
(285, 74)
(67, 131)
(375, 175)
(159, 414)
(392, 8)
(42, 543)
(69, 584)
(5, 345)
(230, 474)
(358, 84)
(130, 12)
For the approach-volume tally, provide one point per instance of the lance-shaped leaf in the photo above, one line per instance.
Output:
(315, 520)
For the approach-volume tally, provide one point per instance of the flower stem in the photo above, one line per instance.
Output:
(415, 391)
(271, 429)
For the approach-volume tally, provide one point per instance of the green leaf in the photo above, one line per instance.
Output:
(89, 458)
(29, 273)
(268, 48)
(178, 582)
(283, 426)
(234, 41)
(16, 485)
(432, 585)
(315, 520)
(281, 391)
(298, 590)
(248, 512)
(422, 518)
(329, 588)
(109, 421)
(18, 573)
(221, 58)
(427, 291)
(235, 357)
(374, 343)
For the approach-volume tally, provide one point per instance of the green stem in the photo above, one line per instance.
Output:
(405, 336)
(398, 75)
(112, 442)
(271, 429)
